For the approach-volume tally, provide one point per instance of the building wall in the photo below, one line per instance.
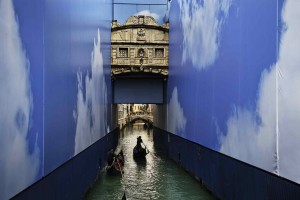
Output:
(133, 58)
(55, 85)
(123, 115)
(160, 116)
(233, 79)
(130, 38)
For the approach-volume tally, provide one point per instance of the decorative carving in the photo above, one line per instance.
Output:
(123, 52)
(133, 20)
(141, 19)
(159, 52)
(141, 53)
(141, 32)
(139, 47)
(150, 21)
(115, 23)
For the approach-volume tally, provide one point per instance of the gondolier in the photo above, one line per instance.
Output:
(139, 151)
(115, 162)
(139, 143)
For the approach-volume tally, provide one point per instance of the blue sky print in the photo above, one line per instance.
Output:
(54, 76)
(234, 76)
(91, 111)
(20, 164)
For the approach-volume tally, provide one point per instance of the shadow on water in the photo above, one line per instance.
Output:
(155, 177)
(141, 162)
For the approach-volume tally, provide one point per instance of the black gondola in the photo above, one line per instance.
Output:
(139, 153)
(145, 126)
(116, 163)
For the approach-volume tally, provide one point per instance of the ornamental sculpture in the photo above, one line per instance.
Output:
(141, 33)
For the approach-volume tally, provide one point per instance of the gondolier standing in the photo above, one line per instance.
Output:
(110, 158)
(139, 143)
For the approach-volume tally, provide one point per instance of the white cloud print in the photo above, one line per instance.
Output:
(273, 144)
(148, 13)
(18, 168)
(176, 119)
(91, 111)
(201, 24)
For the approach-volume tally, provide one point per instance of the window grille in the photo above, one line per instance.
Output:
(159, 53)
(123, 52)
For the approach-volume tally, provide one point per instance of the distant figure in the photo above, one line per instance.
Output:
(145, 126)
(139, 143)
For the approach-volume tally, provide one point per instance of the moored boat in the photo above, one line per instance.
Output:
(115, 162)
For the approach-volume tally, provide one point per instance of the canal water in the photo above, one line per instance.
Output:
(156, 178)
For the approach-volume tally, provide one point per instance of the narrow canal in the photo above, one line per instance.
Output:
(156, 178)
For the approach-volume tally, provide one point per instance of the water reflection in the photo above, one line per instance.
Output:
(153, 178)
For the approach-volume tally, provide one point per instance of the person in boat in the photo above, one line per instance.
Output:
(115, 161)
(118, 164)
(139, 143)
(120, 158)
(110, 158)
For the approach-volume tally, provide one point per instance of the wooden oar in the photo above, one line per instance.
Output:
(148, 150)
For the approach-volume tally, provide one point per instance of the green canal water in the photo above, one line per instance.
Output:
(156, 178)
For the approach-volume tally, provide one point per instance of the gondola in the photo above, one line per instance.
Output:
(117, 164)
(145, 126)
(139, 153)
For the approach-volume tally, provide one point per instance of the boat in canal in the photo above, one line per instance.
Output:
(117, 163)
(139, 153)
(146, 178)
